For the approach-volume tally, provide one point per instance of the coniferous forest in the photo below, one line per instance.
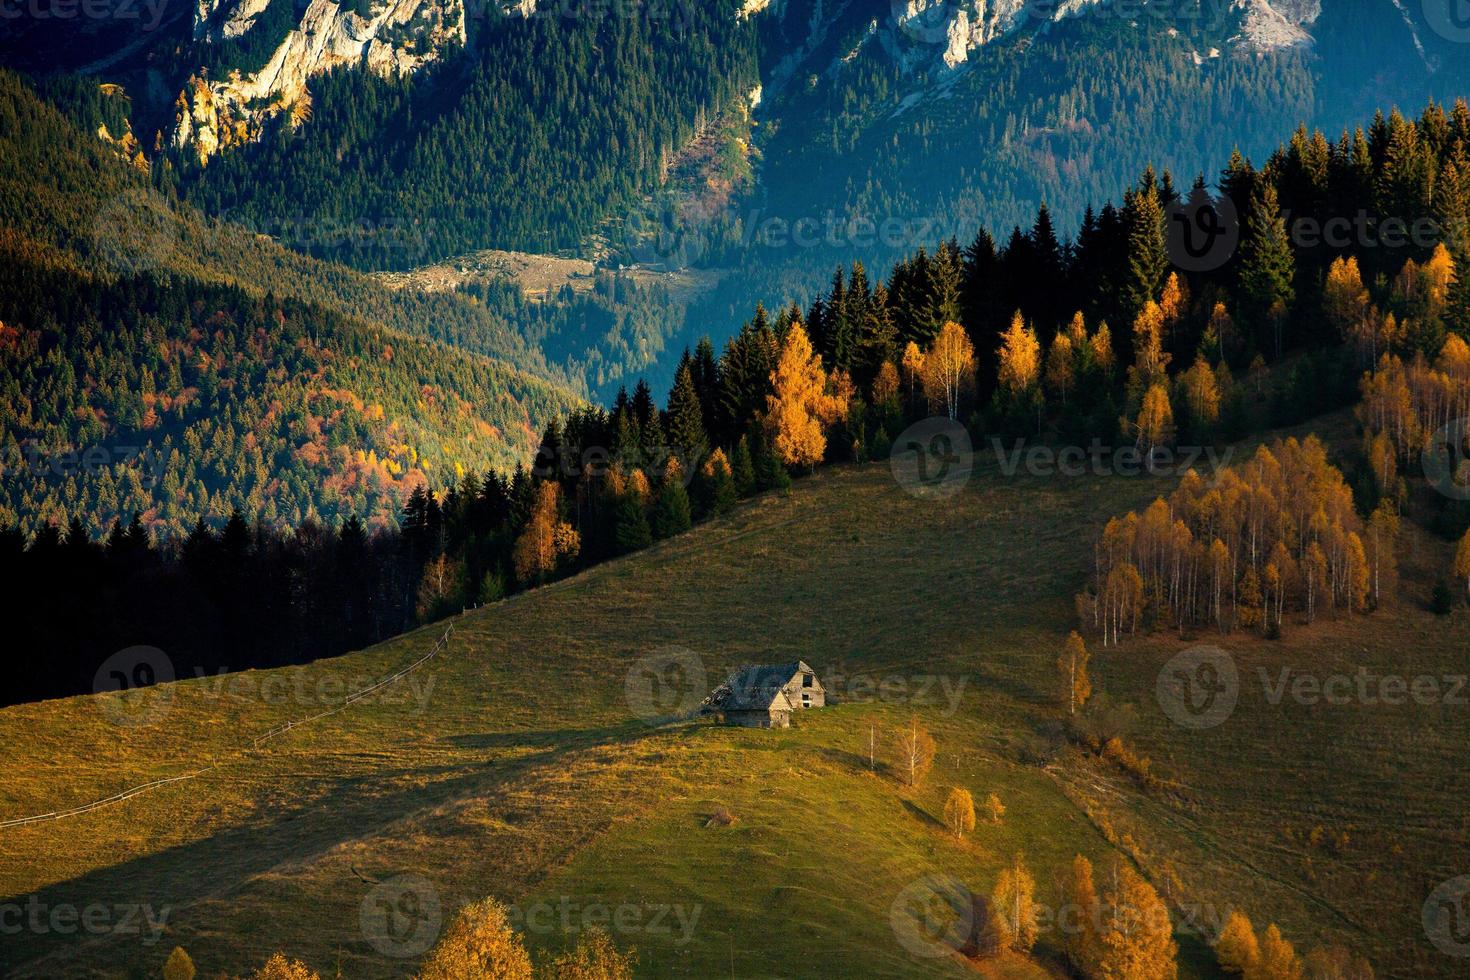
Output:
(1042, 337)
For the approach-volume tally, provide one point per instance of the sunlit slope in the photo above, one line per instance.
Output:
(516, 765)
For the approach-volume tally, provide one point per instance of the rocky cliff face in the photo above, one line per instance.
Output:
(393, 37)
(918, 32)
(1266, 25)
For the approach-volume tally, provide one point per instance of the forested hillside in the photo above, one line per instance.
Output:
(528, 140)
(174, 367)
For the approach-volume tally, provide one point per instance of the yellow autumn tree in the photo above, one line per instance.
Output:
(1345, 300)
(799, 409)
(959, 812)
(913, 366)
(1201, 395)
(1078, 919)
(885, 385)
(1336, 963)
(441, 590)
(1101, 346)
(1150, 360)
(949, 370)
(1439, 274)
(1277, 959)
(179, 966)
(1155, 419)
(1174, 300)
(1020, 358)
(1136, 940)
(1013, 902)
(280, 968)
(1462, 563)
(914, 752)
(1061, 373)
(1072, 668)
(1236, 949)
(547, 539)
(478, 945)
(595, 958)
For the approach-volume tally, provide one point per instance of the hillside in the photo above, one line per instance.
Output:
(160, 363)
(513, 764)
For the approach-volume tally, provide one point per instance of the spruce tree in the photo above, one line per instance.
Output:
(671, 511)
(1148, 257)
(686, 430)
(1267, 268)
(632, 532)
(742, 468)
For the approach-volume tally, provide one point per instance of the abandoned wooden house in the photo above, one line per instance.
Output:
(766, 696)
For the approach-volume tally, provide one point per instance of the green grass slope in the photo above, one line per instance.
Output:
(513, 765)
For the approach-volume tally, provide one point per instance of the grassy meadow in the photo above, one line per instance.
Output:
(514, 766)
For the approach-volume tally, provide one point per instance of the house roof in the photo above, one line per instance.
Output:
(758, 687)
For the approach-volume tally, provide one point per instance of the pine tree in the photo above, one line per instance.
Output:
(1148, 256)
(671, 510)
(742, 469)
(717, 483)
(1267, 268)
(631, 531)
(686, 430)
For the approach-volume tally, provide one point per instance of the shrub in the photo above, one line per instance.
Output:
(280, 968)
(595, 958)
(478, 945)
(179, 965)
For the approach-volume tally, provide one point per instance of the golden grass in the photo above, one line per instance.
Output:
(525, 776)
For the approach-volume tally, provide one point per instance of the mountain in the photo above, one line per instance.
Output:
(393, 136)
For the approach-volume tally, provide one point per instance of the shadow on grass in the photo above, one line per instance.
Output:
(341, 809)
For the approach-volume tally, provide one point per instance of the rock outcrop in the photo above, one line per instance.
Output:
(394, 37)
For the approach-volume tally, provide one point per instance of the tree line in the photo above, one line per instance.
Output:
(980, 334)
